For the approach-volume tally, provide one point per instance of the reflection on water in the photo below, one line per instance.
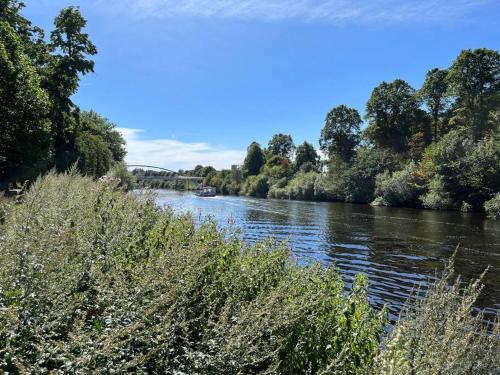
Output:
(398, 249)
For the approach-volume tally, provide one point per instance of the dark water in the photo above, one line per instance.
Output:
(398, 249)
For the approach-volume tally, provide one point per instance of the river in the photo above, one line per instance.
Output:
(398, 249)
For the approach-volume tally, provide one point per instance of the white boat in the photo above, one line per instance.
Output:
(205, 191)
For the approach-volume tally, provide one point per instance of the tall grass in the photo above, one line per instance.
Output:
(93, 280)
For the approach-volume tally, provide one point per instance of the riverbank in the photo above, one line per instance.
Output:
(94, 280)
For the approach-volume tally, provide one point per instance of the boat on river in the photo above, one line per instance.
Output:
(205, 191)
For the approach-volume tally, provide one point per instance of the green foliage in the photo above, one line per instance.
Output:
(357, 182)
(394, 115)
(492, 207)
(24, 129)
(255, 186)
(441, 334)
(437, 197)
(254, 160)
(401, 188)
(340, 135)
(96, 124)
(468, 171)
(281, 145)
(71, 48)
(306, 154)
(125, 178)
(93, 280)
(40, 126)
(277, 168)
(474, 80)
(434, 94)
(95, 156)
(302, 186)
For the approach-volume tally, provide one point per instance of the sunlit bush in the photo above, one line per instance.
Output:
(441, 334)
(255, 186)
(357, 182)
(92, 279)
(400, 188)
(126, 179)
(437, 197)
(492, 207)
(468, 171)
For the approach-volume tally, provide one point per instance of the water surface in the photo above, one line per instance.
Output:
(397, 248)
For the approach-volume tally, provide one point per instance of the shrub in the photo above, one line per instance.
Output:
(256, 186)
(437, 197)
(96, 281)
(324, 189)
(468, 171)
(440, 334)
(357, 182)
(302, 186)
(492, 207)
(127, 179)
(400, 188)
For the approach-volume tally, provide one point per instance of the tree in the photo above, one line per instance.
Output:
(305, 154)
(474, 80)
(433, 93)
(394, 115)
(96, 124)
(95, 157)
(32, 37)
(24, 128)
(281, 145)
(340, 135)
(254, 160)
(71, 47)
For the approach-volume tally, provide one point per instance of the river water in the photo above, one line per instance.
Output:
(398, 249)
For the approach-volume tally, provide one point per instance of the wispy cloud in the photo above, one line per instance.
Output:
(174, 154)
(338, 11)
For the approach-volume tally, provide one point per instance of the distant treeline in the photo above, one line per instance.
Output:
(40, 126)
(436, 147)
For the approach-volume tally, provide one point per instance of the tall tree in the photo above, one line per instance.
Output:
(433, 93)
(305, 154)
(281, 145)
(24, 129)
(71, 47)
(32, 37)
(254, 160)
(340, 134)
(474, 80)
(394, 115)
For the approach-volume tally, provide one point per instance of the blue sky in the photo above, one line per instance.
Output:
(195, 81)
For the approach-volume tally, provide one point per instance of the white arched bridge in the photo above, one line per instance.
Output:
(175, 176)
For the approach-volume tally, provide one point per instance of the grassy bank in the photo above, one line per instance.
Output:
(94, 280)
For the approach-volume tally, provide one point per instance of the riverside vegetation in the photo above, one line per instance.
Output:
(40, 126)
(437, 147)
(94, 280)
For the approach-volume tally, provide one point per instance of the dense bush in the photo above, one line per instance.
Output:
(400, 188)
(96, 281)
(466, 170)
(302, 186)
(255, 186)
(439, 335)
(437, 197)
(93, 280)
(492, 207)
(125, 178)
(357, 182)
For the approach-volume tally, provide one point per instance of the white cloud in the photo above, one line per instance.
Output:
(337, 11)
(174, 154)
